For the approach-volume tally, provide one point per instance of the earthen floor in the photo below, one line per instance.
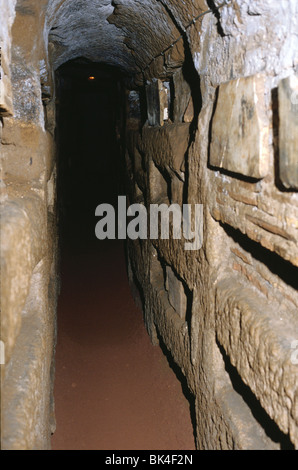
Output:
(114, 390)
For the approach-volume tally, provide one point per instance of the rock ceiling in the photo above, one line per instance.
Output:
(124, 33)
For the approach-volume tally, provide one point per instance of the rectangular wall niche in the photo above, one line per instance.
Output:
(240, 128)
(288, 131)
(158, 102)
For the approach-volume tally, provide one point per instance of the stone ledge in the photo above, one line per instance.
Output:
(240, 128)
(257, 340)
(288, 127)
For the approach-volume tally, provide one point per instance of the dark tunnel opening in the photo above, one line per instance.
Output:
(89, 145)
(113, 389)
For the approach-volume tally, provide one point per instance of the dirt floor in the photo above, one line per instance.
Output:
(113, 390)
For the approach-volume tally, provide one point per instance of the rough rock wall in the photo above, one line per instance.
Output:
(232, 325)
(28, 234)
(220, 110)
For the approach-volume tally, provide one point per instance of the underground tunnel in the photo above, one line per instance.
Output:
(110, 341)
(113, 389)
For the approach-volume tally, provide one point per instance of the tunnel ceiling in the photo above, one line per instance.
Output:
(124, 33)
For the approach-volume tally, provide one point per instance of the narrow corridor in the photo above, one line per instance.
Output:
(113, 389)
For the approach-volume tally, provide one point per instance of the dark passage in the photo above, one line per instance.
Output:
(113, 389)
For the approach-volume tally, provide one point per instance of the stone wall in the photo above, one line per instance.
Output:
(227, 313)
(212, 121)
(28, 236)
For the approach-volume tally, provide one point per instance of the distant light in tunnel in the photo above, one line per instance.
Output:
(91, 78)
